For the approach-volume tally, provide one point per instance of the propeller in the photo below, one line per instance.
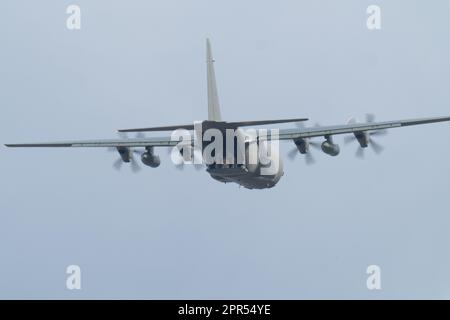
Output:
(127, 153)
(365, 138)
(309, 159)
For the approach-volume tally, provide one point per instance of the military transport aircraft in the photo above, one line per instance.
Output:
(244, 174)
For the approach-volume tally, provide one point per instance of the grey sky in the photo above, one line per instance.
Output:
(169, 234)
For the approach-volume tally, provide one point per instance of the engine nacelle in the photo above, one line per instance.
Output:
(150, 159)
(302, 145)
(125, 153)
(363, 138)
(330, 148)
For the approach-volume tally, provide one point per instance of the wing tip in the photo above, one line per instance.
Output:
(38, 145)
(12, 145)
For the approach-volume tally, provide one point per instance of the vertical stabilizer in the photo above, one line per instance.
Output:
(213, 98)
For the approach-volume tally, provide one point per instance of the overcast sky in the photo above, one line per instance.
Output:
(163, 233)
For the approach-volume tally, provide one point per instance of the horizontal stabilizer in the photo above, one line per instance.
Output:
(165, 128)
(263, 122)
(229, 124)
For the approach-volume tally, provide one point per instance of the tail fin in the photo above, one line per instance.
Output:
(213, 98)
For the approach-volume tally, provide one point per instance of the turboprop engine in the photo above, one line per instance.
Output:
(149, 158)
(329, 147)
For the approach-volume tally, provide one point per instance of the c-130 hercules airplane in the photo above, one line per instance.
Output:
(246, 174)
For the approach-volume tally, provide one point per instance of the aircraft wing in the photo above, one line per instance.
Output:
(292, 134)
(136, 142)
(284, 134)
